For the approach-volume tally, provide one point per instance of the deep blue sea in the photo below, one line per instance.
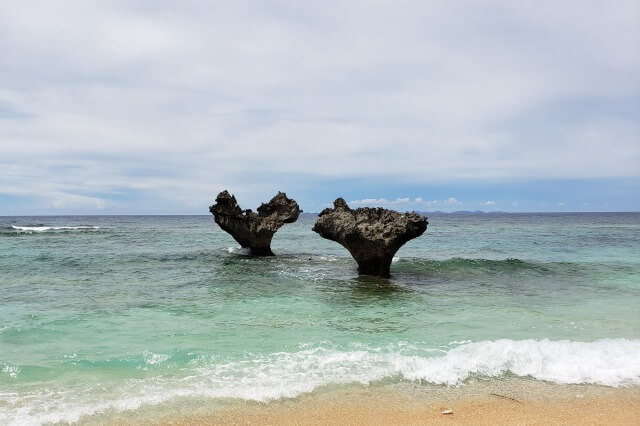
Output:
(100, 315)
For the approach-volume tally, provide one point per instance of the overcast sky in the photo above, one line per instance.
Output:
(155, 106)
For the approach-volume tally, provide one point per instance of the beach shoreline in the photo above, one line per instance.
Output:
(484, 402)
(479, 411)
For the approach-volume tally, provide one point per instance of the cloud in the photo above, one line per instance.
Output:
(70, 201)
(178, 100)
(488, 203)
(450, 202)
(416, 203)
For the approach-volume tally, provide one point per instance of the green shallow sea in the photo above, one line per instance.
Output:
(105, 314)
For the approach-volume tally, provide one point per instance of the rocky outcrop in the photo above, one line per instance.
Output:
(372, 235)
(254, 230)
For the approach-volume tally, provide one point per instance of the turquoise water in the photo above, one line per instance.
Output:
(110, 313)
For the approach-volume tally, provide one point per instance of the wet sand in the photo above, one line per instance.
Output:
(479, 412)
(522, 403)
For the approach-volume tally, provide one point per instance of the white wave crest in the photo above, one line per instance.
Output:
(151, 358)
(11, 370)
(243, 251)
(610, 362)
(52, 228)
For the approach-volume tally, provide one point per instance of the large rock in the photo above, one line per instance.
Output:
(372, 236)
(254, 230)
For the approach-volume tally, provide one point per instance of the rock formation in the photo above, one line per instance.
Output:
(372, 235)
(254, 230)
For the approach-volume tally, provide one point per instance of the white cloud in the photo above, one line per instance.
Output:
(201, 95)
(451, 202)
(70, 201)
(370, 202)
(416, 203)
(488, 203)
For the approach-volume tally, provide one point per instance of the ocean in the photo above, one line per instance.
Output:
(104, 317)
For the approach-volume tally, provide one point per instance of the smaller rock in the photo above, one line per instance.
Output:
(254, 230)
(447, 411)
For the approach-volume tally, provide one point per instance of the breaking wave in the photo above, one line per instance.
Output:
(43, 228)
(609, 362)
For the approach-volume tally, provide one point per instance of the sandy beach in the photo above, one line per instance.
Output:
(519, 402)
(487, 411)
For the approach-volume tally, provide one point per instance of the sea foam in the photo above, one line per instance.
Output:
(53, 228)
(610, 362)
(243, 251)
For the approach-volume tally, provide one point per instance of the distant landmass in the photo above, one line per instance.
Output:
(436, 212)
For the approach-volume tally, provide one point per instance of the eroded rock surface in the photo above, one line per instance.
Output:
(254, 230)
(372, 235)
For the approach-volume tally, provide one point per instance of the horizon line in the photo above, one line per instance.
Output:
(317, 213)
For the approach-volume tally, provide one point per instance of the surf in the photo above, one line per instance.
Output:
(281, 375)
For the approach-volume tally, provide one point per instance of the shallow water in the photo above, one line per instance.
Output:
(110, 313)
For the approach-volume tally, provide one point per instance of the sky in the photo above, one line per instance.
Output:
(153, 107)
